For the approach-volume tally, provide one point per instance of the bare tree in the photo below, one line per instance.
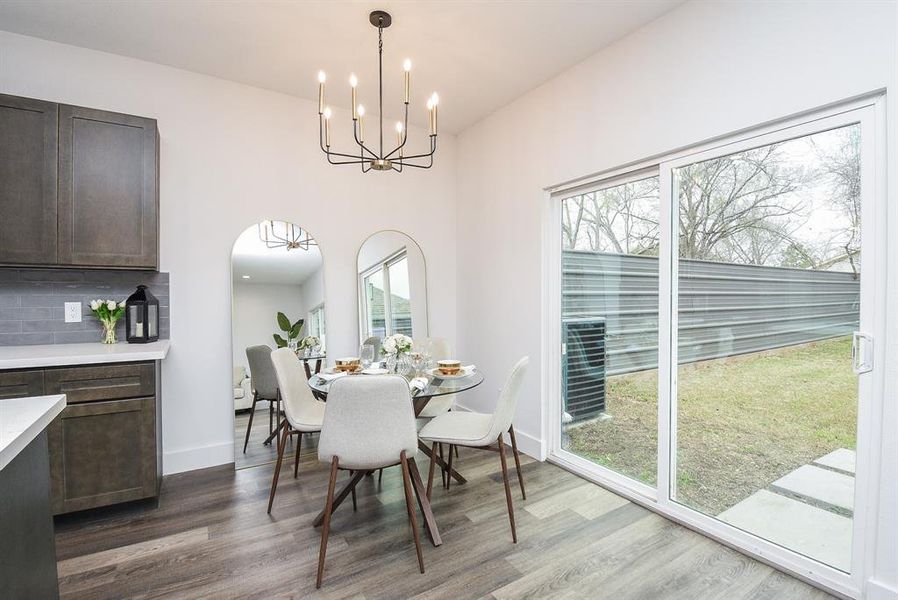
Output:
(622, 219)
(841, 164)
(739, 204)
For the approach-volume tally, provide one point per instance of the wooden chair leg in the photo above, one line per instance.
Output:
(442, 469)
(355, 506)
(433, 462)
(456, 451)
(514, 534)
(380, 476)
(326, 529)
(449, 479)
(277, 471)
(270, 416)
(517, 461)
(249, 426)
(409, 504)
(296, 458)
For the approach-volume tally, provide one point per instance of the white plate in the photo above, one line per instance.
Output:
(374, 371)
(435, 372)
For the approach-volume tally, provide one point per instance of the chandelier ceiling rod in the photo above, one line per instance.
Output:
(368, 159)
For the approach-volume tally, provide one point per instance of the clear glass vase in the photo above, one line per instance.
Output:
(108, 332)
(400, 364)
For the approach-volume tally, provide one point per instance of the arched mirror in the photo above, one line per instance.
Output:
(277, 300)
(392, 284)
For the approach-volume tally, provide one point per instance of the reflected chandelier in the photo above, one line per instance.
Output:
(394, 160)
(281, 234)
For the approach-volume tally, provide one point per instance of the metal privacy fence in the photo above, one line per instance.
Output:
(724, 309)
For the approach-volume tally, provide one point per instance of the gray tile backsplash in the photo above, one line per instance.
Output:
(31, 303)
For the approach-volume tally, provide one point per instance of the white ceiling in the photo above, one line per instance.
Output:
(478, 55)
(271, 265)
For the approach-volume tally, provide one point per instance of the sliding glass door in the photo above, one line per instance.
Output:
(718, 310)
(610, 325)
(768, 297)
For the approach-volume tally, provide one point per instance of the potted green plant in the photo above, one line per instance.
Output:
(291, 330)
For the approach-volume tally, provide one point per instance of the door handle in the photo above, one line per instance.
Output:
(861, 353)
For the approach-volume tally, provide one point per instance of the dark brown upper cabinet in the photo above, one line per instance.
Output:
(108, 183)
(28, 150)
(78, 187)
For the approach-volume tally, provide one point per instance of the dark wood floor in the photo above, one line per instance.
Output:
(210, 537)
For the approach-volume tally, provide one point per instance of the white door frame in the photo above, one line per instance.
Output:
(869, 111)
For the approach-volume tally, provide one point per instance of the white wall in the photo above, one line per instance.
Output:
(255, 308)
(703, 70)
(384, 244)
(232, 155)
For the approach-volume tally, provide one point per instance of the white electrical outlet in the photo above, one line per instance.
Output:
(72, 312)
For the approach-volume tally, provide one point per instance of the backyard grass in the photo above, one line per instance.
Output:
(743, 421)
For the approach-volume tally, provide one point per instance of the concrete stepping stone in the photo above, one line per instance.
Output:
(806, 529)
(821, 487)
(841, 460)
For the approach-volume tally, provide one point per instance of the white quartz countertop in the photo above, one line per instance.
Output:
(58, 355)
(22, 420)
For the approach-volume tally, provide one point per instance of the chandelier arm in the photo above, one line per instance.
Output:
(359, 142)
(430, 156)
(427, 166)
(346, 162)
(329, 152)
(433, 149)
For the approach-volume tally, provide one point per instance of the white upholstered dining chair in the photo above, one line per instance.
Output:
(303, 413)
(369, 424)
(478, 430)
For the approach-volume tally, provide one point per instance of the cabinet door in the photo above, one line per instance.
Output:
(102, 453)
(108, 189)
(28, 135)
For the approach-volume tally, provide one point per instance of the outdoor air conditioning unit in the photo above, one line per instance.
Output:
(583, 368)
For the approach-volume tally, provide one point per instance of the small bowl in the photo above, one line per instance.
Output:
(449, 367)
(347, 364)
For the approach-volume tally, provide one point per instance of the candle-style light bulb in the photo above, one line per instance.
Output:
(353, 83)
(361, 112)
(321, 79)
(327, 127)
(433, 113)
(407, 65)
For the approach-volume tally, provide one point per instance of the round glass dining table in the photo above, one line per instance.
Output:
(436, 386)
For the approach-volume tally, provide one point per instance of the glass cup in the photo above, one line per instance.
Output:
(366, 355)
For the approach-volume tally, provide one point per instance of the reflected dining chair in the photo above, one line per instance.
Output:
(302, 412)
(477, 430)
(369, 424)
(265, 387)
(438, 349)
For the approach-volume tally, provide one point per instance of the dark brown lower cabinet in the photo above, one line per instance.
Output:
(102, 453)
(105, 447)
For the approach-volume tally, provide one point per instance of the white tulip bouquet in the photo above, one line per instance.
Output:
(393, 345)
(108, 312)
(309, 342)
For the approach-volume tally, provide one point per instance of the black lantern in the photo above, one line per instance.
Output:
(141, 317)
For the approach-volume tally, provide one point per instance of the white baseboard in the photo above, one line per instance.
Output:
(876, 590)
(201, 457)
(529, 445)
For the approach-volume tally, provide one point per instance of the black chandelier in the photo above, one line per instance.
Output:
(394, 160)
